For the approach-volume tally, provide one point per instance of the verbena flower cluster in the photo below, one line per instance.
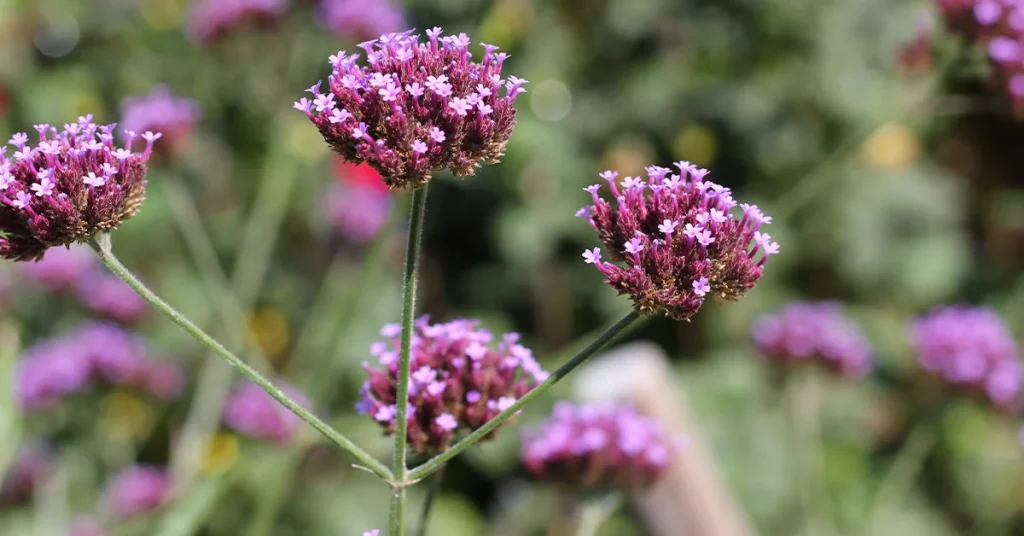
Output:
(971, 349)
(138, 490)
(813, 332)
(67, 187)
(998, 26)
(160, 111)
(416, 108)
(460, 379)
(212, 20)
(362, 18)
(55, 368)
(677, 239)
(597, 446)
(252, 412)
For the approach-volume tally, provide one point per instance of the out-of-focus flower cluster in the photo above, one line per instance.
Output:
(211, 20)
(358, 205)
(76, 270)
(459, 380)
(971, 349)
(597, 446)
(138, 490)
(416, 107)
(69, 186)
(678, 239)
(58, 367)
(362, 19)
(31, 467)
(252, 412)
(813, 332)
(160, 111)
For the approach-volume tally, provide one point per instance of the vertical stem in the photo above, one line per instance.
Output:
(432, 492)
(804, 412)
(412, 257)
(899, 479)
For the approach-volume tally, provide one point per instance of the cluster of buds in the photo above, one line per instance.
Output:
(212, 20)
(138, 490)
(416, 107)
(970, 349)
(597, 446)
(459, 380)
(252, 412)
(59, 367)
(358, 205)
(813, 332)
(362, 19)
(160, 111)
(678, 240)
(69, 186)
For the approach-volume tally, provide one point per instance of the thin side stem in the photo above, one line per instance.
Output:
(438, 461)
(432, 492)
(898, 481)
(412, 257)
(102, 246)
(804, 413)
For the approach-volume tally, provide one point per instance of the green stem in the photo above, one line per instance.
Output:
(804, 414)
(102, 246)
(412, 257)
(438, 461)
(898, 481)
(432, 492)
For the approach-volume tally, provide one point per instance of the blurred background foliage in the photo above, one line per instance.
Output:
(892, 191)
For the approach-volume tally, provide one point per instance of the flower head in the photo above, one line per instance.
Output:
(160, 111)
(677, 240)
(970, 349)
(806, 332)
(361, 19)
(460, 380)
(46, 201)
(212, 20)
(107, 295)
(597, 446)
(412, 91)
(138, 490)
(253, 412)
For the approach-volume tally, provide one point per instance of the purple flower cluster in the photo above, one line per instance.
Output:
(138, 490)
(160, 111)
(61, 269)
(59, 367)
(67, 187)
(253, 412)
(678, 239)
(806, 332)
(358, 211)
(417, 107)
(597, 446)
(362, 19)
(971, 349)
(31, 467)
(459, 380)
(212, 20)
(997, 26)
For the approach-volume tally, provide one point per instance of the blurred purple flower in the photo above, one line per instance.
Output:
(362, 19)
(163, 379)
(32, 466)
(61, 268)
(597, 446)
(459, 379)
(970, 348)
(86, 526)
(49, 371)
(428, 94)
(678, 240)
(359, 212)
(68, 187)
(161, 111)
(253, 412)
(138, 490)
(115, 354)
(109, 296)
(805, 332)
(212, 20)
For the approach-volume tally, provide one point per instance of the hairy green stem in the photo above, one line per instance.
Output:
(438, 461)
(432, 493)
(412, 257)
(102, 246)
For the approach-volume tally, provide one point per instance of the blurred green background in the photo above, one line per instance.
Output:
(891, 191)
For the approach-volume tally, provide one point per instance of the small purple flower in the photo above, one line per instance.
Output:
(138, 490)
(253, 412)
(49, 371)
(813, 332)
(447, 422)
(718, 253)
(212, 20)
(113, 353)
(597, 446)
(592, 256)
(61, 268)
(160, 111)
(440, 102)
